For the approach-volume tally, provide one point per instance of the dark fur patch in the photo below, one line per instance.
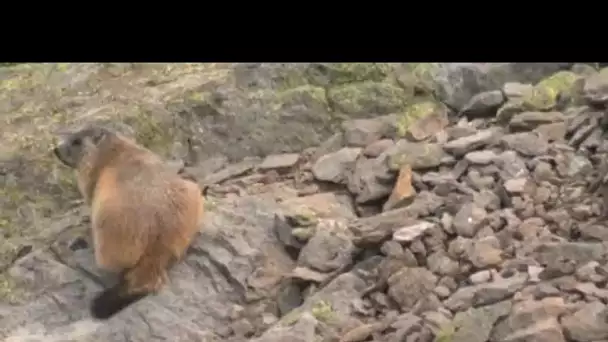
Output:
(113, 300)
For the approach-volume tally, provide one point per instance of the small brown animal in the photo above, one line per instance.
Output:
(144, 215)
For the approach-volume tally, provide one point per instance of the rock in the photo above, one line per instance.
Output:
(279, 161)
(579, 252)
(526, 315)
(370, 180)
(516, 90)
(596, 88)
(410, 285)
(485, 252)
(483, 104)
(425, 119)
(362, 132)
(527, 143)
(441, 264)
(544, 95)
(586, 324)
(481, 277)
(456, 83)
(333, 167)
(462, 146)
(367, 97)
(480, 157)
(376, 148)
(403, 192)
(552, 132)
(329, 249)
(511, 166)
(530, 120)
(547, 330)
(231, 171)
(411, 232)
(417, 155)
(305, 273)
(468, 219)
(475, 324)
(516, 185)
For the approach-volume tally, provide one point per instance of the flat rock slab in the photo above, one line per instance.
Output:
(214, 277)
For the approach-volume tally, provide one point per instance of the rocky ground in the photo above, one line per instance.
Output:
(416, 202)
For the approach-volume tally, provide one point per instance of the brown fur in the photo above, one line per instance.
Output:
(143, 214)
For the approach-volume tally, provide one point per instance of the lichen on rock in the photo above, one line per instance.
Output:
(367, 98)
(544, 95)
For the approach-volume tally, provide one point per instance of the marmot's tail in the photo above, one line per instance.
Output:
(113, 300)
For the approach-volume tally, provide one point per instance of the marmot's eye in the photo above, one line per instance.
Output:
(76, 142)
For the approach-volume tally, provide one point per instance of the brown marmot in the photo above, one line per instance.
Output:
(144, 214)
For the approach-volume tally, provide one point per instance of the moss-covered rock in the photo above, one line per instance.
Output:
(312, 97)
(421, 119)
(545, 94)
(325, 74)
(367, 98)
(417, 78)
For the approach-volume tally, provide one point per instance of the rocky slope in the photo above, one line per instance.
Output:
(427, 202)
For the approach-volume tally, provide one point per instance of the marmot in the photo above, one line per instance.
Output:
(144, 215)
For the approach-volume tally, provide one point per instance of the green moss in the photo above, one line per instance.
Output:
(368, 97)
(9, 291)
(303, 234)
(416, 111)
(309, 95)
(544, 95)
(417, 78)
(343, 73)
(323, 311)
(446, 334)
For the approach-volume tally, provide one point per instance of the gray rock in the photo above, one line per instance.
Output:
(376, 148)
(279, 161)
(530, 120)
(462, 146)
(221, 267)
(417, 155)
(362, 132)
(333, 167)
(475, 324)
(587, 324)
(516, 90)
(529, 144)
(526, 314)
(480, 157)
(579, 252)
(483, 104)
(411, 232)
(329, 249)
(411, 285)
(596, 88)
(511, 166)
(457, 83)
(370, 180)
(468, 219)
(516, 185)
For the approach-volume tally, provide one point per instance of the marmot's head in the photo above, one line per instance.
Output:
(79, 143)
